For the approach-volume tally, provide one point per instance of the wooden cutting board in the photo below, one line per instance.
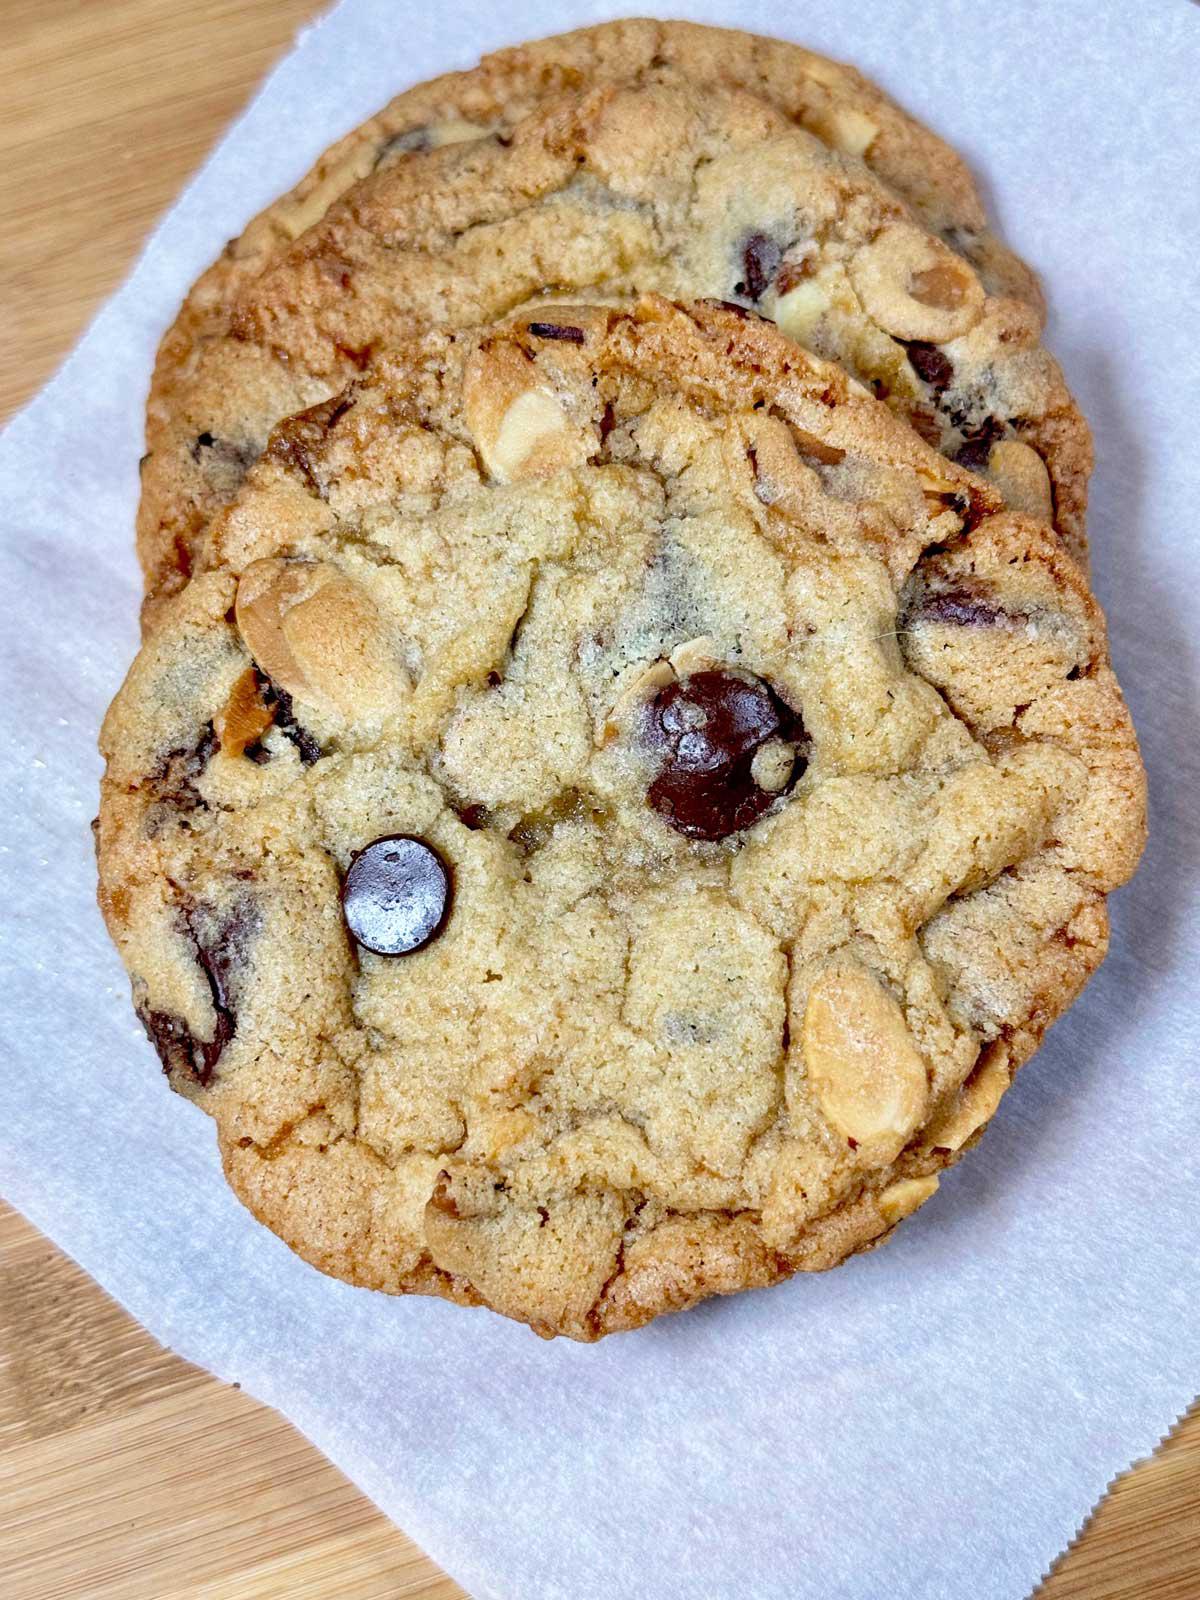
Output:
(125, 1472)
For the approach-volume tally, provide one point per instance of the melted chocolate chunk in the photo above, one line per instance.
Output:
(761, 256)
(960, 608)
(181, 1053)
(298, 442)
(220, 943)
(180, 772)
(975, 449)
(708, 729)
(284, 718)
(396, 895)
(931, 365)
(556, 330)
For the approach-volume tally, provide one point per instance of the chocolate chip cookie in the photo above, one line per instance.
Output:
(631, 157)
(611, 816)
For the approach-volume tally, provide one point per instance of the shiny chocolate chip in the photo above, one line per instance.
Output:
(707, 729)
(396, 895)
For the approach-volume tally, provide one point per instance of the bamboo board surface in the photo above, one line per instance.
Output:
(125, 1473)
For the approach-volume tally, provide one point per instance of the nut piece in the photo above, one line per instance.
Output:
(317, 635)
(915, 287)
(532, 420)
(519, 424)
(693, 655)
(1021, 477)
(975, 1104)
(640, 687)
(306, 212)
(901, 1199)
(772, 765)
(863, 1066)
(799, 310)
(846, 129)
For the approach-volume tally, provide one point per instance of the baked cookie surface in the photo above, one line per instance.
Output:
(612, 816)
(632, 157)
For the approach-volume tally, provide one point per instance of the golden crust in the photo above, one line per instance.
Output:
(411, 179)
(552, 1110)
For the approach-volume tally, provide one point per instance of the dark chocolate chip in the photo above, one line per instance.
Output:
(181, 1053)
(219, 941)
(707, 728)
(975, 449)
(284, 718)
(555, 330)
(396, 895)
(761, 256)
(931, 365)
(960, 608)
(474, 816)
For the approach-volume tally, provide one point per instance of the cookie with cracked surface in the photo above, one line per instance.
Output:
(613, 817)
(632, 156)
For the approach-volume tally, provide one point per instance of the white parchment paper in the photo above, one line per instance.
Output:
(933, 1420)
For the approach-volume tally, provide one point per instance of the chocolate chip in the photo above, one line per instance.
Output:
(555, 330)
(708, 728)
(179, 773)
(284, 718)
(396, 895)
(931, 365)
(181, 1053)
(219, 940)
(761, 256)
(960, 608)
(976, 447)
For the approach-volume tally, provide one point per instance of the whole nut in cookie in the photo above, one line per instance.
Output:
(318, 636)
(914, 286)
(520, 426)
(1021, 477)
(863, 1066)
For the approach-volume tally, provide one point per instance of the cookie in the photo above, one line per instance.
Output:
(635, 156)
(612, 817)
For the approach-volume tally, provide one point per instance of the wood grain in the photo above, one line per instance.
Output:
(125, 1473)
